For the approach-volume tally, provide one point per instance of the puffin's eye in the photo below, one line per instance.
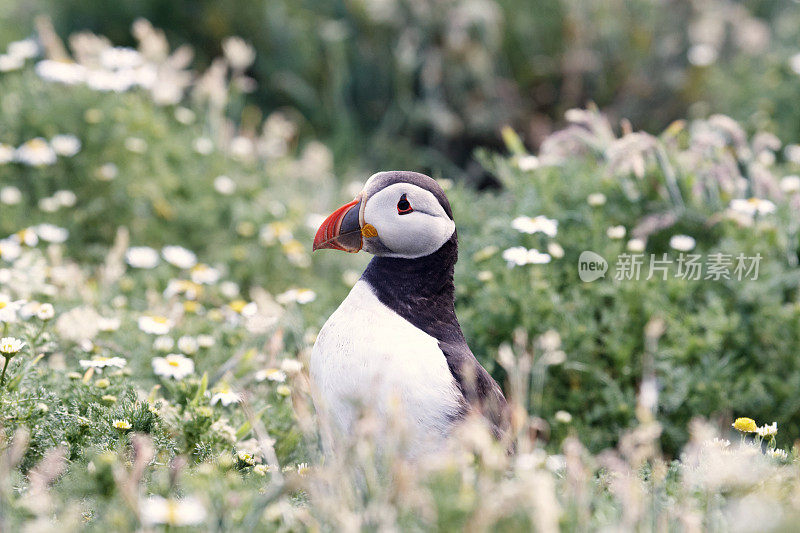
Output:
(403, 207)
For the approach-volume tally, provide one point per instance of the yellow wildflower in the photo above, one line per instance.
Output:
(745, 425)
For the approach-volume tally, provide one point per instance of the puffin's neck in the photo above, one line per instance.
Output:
(420, 290)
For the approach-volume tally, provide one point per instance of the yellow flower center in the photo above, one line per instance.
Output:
(2, 304)
(159, 319)
(173, 363)
(172, 513)
(37, 144)
(238, 305)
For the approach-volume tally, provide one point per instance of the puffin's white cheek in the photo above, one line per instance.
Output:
(416, 234)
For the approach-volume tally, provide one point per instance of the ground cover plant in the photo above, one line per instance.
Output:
(158, 301)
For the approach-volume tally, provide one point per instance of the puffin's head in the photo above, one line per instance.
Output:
(397, 214)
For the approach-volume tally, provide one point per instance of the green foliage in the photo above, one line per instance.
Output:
(97, 442)
(420, 84)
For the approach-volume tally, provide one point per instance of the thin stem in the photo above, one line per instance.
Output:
(3, 375)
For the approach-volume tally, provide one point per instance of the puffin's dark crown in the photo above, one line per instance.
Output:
(382, 180)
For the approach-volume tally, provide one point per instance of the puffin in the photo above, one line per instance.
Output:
(395, 345)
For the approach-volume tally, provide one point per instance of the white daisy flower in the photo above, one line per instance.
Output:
(27, 236)
(187, 345)
(61, 71)
(141, 257)
(229, 289)
(179, 256)
(519, 256)
(39, 310)
(528, 162)
(182, 286)
(100, 362)
(10, 250)
(121, 424)
(271, 374)
(28, 310)
(224, 185)
(541, 223)
(154, 324)
(120, 58)
(186, 512)
(46, 312)
(291, 366)
(238, 53)
(244, 308)
(10, 195)
(10, 63)
(36, 153)
(24, 49)
(636, 245)
(204, 274)
(246, 458)
(300, 296)
(303, 469)
(9, 308)
(203, 145)
(6, 154)
(10, 346)
(242, 147)
(535, 257)
(616, 232)
(563, 417)
(163, 344)
(205, 341)
(65, 198)
(788, 184)
(777, 453)
(51, 233)
(752, 206)
(49, 204)
(516, 255)
(768, 430)
(65, 145)
(174, 366)
(596, 199)
(702, 55)
(555, 250)
(106, 172)
(682, 243)
(225, 396)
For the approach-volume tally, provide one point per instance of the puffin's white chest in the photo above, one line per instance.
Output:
(367, 355)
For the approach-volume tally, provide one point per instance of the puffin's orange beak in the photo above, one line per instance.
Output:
(341, 230)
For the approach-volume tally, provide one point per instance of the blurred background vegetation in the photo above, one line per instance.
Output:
(422, 83)
(339, 89)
